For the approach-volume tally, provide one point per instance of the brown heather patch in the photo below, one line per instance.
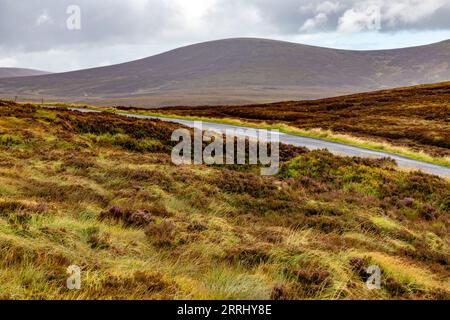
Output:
(146, 285)
(161, 234)
(248, 255)
(129, 218)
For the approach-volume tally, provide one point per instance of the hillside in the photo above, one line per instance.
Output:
(100, 191)
(19, 72)
(415, 117)
(240, 71)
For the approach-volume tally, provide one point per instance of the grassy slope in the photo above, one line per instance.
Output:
(100, 191)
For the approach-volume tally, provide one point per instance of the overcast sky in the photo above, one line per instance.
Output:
(44, 34)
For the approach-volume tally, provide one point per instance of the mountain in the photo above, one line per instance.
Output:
(19, 72)
(240, 70)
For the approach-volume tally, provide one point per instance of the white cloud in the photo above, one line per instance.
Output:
(360, 19)
(314, 23)
(8, 62)
(43, 18)
(392, 15)
(408, 12)
(328, 7)
(322, 11)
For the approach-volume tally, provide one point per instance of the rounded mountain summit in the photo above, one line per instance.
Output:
(242, 70)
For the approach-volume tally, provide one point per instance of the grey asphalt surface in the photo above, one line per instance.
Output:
(312, 144)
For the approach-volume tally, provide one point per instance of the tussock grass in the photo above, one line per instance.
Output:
(83, 191)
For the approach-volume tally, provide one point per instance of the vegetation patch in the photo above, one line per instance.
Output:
(99, 191)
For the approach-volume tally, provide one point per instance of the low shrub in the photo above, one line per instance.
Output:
(128, 217)
(161, 234)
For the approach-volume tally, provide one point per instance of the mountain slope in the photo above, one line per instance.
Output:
(19, 72)
(244, 70)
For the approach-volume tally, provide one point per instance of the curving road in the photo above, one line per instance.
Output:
(311, 143)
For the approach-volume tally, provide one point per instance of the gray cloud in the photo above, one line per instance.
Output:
(39, 26)
(294, 16)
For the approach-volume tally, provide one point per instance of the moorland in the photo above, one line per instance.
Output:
(100, 191)
(415, 118)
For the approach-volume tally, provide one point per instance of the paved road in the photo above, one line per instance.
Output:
(313, 144)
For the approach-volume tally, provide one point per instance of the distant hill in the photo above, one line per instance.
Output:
(19, 72)
(241, 71)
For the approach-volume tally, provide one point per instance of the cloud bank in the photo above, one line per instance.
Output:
(31, 26)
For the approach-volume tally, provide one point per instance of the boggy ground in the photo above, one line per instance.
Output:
(99, 191)
(415, 117)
